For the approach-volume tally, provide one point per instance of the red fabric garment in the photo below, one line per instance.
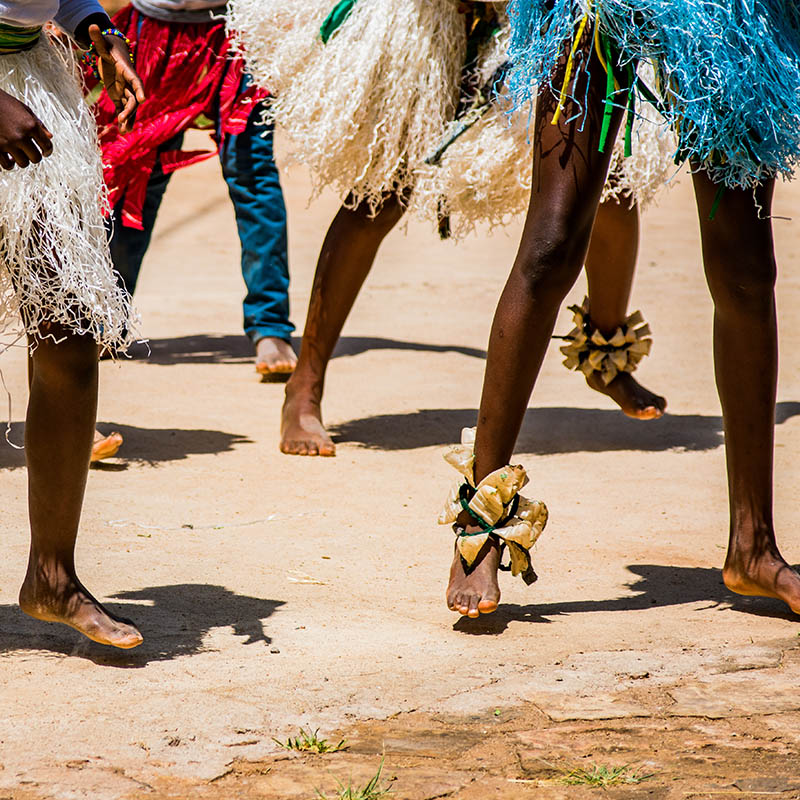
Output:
(187, 70)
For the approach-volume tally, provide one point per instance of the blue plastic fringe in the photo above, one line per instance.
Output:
(729, 72)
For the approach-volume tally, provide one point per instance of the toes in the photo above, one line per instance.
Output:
(125, 638)
(327, 449)
(652, 404)
(488, 605)
(271, 367)
(308, 447)
(473, 611)
(466, 605)
(460, 604)
(643, 412)
(130, 639)
(292, 448)
(305, 447)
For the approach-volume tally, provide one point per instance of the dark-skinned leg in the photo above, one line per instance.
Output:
(610, 265)
(102, 446)
(568, 178)
(740, 269)
(58, 441)
(345, 260)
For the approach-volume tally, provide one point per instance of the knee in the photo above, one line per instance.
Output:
(381, 221)
(549, 262)
(741, 280)
(739, 255)
(64, 360)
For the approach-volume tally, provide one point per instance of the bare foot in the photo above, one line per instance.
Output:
(302, 431)
(765, 575)
(634, 400)
(477, 591)
(66, 600)
(105, 446)
(274, 356)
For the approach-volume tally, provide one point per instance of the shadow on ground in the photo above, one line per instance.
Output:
(236, 349)
(655, 586)
(173, 620)
(546, 431)
(142, 445)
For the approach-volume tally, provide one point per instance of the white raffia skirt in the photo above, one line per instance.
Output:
(366, 109)
(55, 265)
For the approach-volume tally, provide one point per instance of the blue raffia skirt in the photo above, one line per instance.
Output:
(728, 72)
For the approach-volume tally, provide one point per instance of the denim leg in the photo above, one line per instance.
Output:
(254, 186)
(129, 245)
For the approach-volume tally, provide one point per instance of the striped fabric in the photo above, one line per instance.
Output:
(15, 40)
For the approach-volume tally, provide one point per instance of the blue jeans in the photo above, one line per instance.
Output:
(249, 169)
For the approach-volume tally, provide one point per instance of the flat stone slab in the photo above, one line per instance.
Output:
(762, 691)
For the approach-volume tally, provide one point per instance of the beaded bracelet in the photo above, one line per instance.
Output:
(91, 53)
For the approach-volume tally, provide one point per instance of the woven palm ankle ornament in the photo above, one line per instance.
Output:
(589, 351)
(496, 507)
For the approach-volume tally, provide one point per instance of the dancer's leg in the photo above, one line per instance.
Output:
(740, 268)
(344, 262)
(610, 265)
(568, 178)
(58, 443)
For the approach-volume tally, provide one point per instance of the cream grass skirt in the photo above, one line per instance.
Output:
(365, 110)
(55, 265)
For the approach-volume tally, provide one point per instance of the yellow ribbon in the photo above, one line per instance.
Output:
(570, 64)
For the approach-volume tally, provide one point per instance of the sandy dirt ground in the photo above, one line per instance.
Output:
(277, 592)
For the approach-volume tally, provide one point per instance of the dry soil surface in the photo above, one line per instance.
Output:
(277, 592)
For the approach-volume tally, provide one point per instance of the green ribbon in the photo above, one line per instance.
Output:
(631, 111)
(717, 200)
(465, 494)
(608, 102)
(335, 19)
(14, 39)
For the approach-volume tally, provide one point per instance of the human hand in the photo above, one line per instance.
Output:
(24, 139)
(123, 85)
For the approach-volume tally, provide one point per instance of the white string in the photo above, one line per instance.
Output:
(54, 257)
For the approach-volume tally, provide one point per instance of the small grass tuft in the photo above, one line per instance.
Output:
(371, 791)
(604, 776)
(310, 743)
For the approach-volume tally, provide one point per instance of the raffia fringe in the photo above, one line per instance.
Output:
(55, 265)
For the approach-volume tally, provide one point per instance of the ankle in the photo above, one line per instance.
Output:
(304, 387)
(51, 569)
(744, 552)
(752, 533)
